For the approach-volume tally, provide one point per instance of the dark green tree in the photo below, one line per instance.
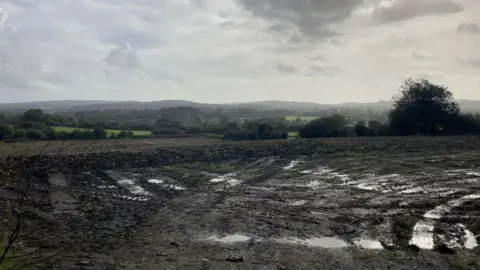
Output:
(423, 108)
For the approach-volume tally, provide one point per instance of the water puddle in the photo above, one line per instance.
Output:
(470, 240)
(230, 239)
(422, 235)
(322, 242)
(315, 184)
(298, 203)
(227, 178)
(128, 184)
(132, 187)
(413, 190)
(291, 165)
(174, 187)
(368, 244)
(155, 181)
(107, 187)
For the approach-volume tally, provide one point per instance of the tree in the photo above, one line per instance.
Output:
(360, 129)
(264, 131)
(4, 131)
(423, 108)
(33, 115)
(333, 126)
(99, 133)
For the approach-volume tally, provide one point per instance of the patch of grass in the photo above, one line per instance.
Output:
(293, 135)
(109, 131)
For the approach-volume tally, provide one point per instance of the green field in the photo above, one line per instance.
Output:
(292, 135)
(109, 131)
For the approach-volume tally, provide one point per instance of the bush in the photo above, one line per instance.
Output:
(99, 133)
(19, 133)
(36, 134)
(167, 131)
(125, 134)
(333, 126)
(239, 135)
(4, 132)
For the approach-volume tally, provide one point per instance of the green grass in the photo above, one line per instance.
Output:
(293, 135)
(109, 131)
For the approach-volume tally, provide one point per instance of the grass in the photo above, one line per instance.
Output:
(293, 135)
(109, 131)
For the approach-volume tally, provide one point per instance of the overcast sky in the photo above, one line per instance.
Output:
(324, 51)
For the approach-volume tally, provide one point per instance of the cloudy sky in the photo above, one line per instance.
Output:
(324, 51)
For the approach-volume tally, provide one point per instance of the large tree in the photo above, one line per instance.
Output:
(422, 107)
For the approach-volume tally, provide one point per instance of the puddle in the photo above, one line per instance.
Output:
(470, 240)
(298, 203)
(323, 242)
(413, 190)
(107, 187)
(368, 244)
(227, 178)
(291, 165)
(368, 186)
(422, 235)
(230, 239)
(132, 187)
(156, 181)
(174, 187)
(315, 184)
(443, 209)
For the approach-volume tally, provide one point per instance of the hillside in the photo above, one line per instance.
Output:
(91, 105)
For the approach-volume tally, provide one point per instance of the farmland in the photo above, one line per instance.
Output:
(397, 203)
(109, 131)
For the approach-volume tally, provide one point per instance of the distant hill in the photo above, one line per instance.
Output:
(89, 105)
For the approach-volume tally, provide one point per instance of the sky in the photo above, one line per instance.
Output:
(326, 51)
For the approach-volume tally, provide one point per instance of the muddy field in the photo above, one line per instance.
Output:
(395, 209)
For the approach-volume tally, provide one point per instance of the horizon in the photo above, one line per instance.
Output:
(324, 51)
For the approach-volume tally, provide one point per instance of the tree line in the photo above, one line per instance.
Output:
(420, 108)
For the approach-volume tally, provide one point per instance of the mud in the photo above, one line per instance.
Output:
(374, 210)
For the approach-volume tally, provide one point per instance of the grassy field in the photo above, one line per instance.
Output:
(109, 131)
(293, 135)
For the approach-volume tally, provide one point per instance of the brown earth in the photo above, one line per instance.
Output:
(346, 204)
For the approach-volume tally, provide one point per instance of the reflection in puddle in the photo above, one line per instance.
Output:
(368, 244)
(422, 235)
(298, 203)
(291, 165)
(174, 187)
(230, 239)
(228, 178)
(156, 181)
(413, 190)
(323, 242)
(470, 241)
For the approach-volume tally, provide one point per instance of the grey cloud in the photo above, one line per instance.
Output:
(409, 9)
(472, 28)
(311, 17)
(287, 68)
(123, 58)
